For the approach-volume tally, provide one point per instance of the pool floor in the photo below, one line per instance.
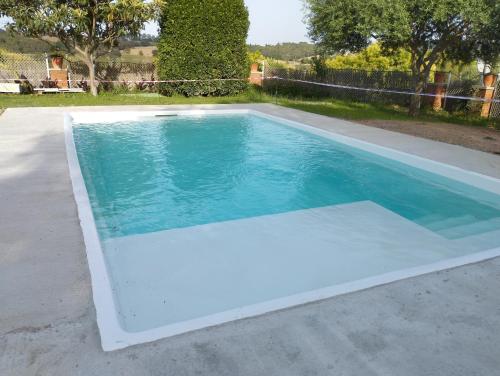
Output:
(172, 276)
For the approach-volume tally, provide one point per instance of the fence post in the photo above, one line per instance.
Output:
(439, 78)
(255, 75)
(487, 93)
(447, 89)
(47, 65)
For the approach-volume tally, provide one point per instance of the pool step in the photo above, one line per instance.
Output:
(426, 219)
(458, 227)
(475, 228)
(479, 242)
(446, 223)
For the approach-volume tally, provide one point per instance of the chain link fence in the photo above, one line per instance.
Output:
(298, 83)
(391, 87)
(463, 87)
(117, 74)
(15, 66)
(114, 74)
(495, 106)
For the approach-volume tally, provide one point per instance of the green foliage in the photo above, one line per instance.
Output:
(429, 29)
(81, 24)
(372, 58)
(255, 57)
(460, 70)
(277, 64)
(341, 27)
(336, 108)
(319, 66)
(203, 40)
(346, 109)
(486, 45)
(87, 27)
(109, 99)
(436, 29)
(286, 51)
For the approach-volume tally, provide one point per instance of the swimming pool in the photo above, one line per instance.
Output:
(197, 218)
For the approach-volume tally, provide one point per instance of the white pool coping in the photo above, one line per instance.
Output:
(113, 337)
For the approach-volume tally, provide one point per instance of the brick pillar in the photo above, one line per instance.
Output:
(487, 92)
(255, 76)
(439, 90)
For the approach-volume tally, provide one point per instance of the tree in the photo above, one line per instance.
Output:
(486, 45)
(372, 58)
(204, 41)
(428, 29)
(89, 28)
(255, 57)
(286, 51)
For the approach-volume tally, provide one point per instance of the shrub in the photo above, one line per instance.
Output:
(255, 57)
(372, 58)
(203, 40)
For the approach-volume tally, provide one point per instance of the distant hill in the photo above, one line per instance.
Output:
(134, 48)
(285, 51)
(20, 44)
(144, 40)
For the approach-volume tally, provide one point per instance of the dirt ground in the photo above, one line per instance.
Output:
(484, 139)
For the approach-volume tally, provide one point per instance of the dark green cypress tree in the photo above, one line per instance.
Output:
(203, 40)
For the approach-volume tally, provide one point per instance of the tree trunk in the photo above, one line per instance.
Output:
(416, 99)
(92, 82)
(421, 64)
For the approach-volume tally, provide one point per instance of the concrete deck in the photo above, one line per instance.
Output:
(445, 323)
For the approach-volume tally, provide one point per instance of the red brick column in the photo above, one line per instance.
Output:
(487, 92)
(255, 76)
(440, 79)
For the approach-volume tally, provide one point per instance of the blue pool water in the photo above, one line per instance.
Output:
(175, 172)
(210, 215)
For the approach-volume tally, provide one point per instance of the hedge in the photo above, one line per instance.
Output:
(203, 40)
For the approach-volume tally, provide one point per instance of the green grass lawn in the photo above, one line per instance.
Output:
(363, 111)
(109, 99)
(335, 108)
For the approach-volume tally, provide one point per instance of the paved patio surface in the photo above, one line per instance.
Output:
(445, 323)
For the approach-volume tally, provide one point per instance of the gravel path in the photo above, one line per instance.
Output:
(484, 139)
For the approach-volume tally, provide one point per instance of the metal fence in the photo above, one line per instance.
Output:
(297, 83)
(349, 84)
(459, 87)
(392, 87)
(13, 66)
(495, 107)
(112, 74)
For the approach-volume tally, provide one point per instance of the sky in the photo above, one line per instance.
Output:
(271, 22)
(274, 21)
